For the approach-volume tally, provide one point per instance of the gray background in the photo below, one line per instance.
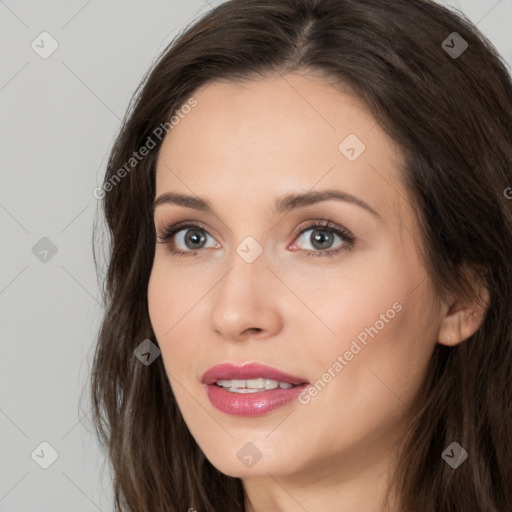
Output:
(59, 116)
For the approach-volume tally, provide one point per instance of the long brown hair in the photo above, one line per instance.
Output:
(451, 116)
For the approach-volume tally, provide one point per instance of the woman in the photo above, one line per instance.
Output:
(308, 290)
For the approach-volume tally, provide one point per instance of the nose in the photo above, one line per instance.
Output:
(245, 303)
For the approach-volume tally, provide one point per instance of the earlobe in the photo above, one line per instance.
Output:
(462, 321)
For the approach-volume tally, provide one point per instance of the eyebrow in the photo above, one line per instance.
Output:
(283, 204)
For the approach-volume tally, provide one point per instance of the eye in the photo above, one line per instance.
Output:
(187, 239)
(323, 238)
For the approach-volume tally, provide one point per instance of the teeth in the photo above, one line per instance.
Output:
(255, 383)
(252, 385)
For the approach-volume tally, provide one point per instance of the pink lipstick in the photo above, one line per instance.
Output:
(250, 390)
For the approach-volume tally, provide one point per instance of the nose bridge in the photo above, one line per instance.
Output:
(243, 300)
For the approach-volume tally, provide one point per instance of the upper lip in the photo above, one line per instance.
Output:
(248, 371)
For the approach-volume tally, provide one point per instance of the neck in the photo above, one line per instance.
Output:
(358, 483)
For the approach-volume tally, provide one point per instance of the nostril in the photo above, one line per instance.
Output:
(253, 330)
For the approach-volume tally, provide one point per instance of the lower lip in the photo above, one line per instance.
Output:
(251, 404)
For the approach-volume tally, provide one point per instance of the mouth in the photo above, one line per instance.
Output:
(250, 390)
(252, 376)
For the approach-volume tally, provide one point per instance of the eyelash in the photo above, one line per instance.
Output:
(346, 236)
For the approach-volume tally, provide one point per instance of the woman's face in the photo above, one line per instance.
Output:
(327, 289)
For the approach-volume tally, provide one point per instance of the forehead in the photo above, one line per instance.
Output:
(256, 140)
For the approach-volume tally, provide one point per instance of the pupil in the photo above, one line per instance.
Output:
(194, 236)
(321, 238)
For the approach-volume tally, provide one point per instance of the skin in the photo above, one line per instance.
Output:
(242, 147)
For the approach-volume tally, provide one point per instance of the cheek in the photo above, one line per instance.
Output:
(362, 292)
(366, 377)
(159, 303)
(172, 294)
(164, 312)
(375, 330)
(376, 363)
(174, 301)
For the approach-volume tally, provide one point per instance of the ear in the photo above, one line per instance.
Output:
(462, 319)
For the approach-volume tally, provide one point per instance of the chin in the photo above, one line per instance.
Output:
(243, 459)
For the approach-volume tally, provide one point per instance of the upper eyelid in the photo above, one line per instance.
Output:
(183, 224)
